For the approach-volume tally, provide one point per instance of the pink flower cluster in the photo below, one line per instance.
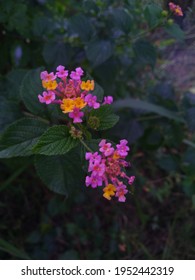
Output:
(71, 93)
(176, 9)
(107, 168)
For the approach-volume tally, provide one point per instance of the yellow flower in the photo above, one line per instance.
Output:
(50, 85)
(79, 102)
(67, 105)
(109, 191)
(88, 85)
(116, 155)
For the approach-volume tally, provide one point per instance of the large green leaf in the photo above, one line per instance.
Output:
(145, 52)
(121, 19)
(55, 141)
(81, 25)
(61, 174)
(43, 25)
(175, 31)
(99, 51)
(105, 116)
(98, 91)
(9, 112)
(14, 79)
(30, 89)
(57, 53)
(20, 137)
(153, 15)
(148, 107)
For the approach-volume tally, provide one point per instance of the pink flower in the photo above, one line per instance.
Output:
(120, 193)
(94, 181)
(108, 100)
(131, 180)
(172, 6)
(92, 156)
(47, 76)
(91, 101)
(76, 75)
(48, 97)
(122, 148)
(108, 169)
(98, 168)
(76, 115)
(176, 9)
(106, 148)
(61, 72)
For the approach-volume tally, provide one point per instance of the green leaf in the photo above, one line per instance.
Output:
(189, 143)
(153, 15)
(99, 92)
(14, 79)
(122, 19)
(43, 25)
(188, 186)
(61, 174)
(57, 53)
(81, 25)
(9, 112)
(55, 141)
(105, 116)
(12, 250)
(152, 138)
(175, 31)
(20, 137)
(99, 51)
(30, 89)
(145, 52)
(148, 107)
(168, 163)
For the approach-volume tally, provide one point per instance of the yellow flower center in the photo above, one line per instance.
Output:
(109, 191)
(50, 85)
(88, 85)
(67, 105)
(79, 102)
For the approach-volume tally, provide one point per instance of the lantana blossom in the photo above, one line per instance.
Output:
(47, 97)
(70, 92)
(107, 167)
(176, 9)
(108, 100)
(76, 115)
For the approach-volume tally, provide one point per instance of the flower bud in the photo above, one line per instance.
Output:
(75, 133)
(164, 13)
(170, 22)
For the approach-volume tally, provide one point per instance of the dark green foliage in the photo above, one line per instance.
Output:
(119, 44)
(55, 141)
(61, 174)
(19, 138)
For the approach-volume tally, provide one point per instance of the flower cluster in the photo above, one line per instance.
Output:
(70, 92)
(107, 168)
(176, 9)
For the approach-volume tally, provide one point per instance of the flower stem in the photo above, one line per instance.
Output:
(86, 146)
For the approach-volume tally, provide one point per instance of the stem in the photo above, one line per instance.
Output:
(85, 145)
(146, 32)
